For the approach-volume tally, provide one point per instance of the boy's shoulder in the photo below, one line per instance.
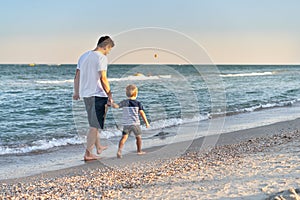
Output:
(134, 100)
(130, 100)
(130, 103)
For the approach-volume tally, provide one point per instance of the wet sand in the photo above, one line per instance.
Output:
(257, 163)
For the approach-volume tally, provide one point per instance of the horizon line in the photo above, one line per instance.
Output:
(30, 64)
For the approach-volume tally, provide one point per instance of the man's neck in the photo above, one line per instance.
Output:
(99, 50)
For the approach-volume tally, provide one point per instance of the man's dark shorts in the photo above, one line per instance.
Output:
(95, 108)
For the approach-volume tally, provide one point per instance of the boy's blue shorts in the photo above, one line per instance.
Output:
(136, 129)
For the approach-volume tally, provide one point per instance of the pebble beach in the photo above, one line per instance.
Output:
(265, 167)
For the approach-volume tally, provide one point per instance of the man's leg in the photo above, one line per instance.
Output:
(91, 140)
(101, 110)
(92, 133)
(98, 145)
(121, 145)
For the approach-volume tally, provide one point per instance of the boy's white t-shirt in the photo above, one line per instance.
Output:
(90, 64)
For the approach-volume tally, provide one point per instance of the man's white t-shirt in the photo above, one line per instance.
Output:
(90, 64)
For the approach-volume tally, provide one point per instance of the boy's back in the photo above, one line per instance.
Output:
(131, 108)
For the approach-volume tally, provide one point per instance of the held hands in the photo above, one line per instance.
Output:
(110, 99)
(110, 102)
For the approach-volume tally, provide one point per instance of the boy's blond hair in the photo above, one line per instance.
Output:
(131, 91)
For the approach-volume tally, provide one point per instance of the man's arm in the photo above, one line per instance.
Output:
(105, 84)
(142, 113)
(76, 85)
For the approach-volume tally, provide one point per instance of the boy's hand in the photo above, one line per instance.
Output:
(114, 105)
(147, 125)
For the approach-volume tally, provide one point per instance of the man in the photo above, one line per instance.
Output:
(92, 85)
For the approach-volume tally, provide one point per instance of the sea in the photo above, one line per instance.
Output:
(43, 129)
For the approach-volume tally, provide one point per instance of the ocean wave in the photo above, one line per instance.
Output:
(115, 132)
(264, 106)
(108, 133)
(160, 124)
(249, 74)
(128, 78)
(140, 78)
(55, 81)
(155, 125)
(41, 145)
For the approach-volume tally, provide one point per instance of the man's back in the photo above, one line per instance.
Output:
(90, 64)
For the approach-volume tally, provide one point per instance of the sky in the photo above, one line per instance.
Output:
(227, 31)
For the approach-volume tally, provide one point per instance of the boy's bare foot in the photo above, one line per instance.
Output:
(102, 148)
(90, 158)
(119, 154)
(141, 153)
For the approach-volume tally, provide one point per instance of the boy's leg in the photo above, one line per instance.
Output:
(139, 145)
(137, 131)
(121, 145)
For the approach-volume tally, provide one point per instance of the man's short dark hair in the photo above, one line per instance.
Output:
(104, 41)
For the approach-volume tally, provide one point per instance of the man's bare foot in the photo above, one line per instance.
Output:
(141, 153)
(92, 157)
(119, 154)
(102, 148)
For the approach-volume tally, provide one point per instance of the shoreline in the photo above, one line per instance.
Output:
(143, 172)
(194, 145)
(17, 166)
(62, 157)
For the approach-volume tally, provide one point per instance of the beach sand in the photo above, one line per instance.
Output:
(257, 163)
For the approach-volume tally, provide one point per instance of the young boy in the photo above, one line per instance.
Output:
(131, 110)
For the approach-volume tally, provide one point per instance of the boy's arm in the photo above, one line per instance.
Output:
(143, 115)
(76, 85)
(114, 105)
(105, 84)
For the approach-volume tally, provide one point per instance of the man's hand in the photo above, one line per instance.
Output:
(76, 96)
(76, 85)
(147, 125)
(110, 101)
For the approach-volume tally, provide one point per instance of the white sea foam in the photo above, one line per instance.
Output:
(156, 125)
(55, 81)
(128, 78)
(113, 132)
(41, 145)
(175, 122)
(140, 78)
(248, 74)
(268, 105)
